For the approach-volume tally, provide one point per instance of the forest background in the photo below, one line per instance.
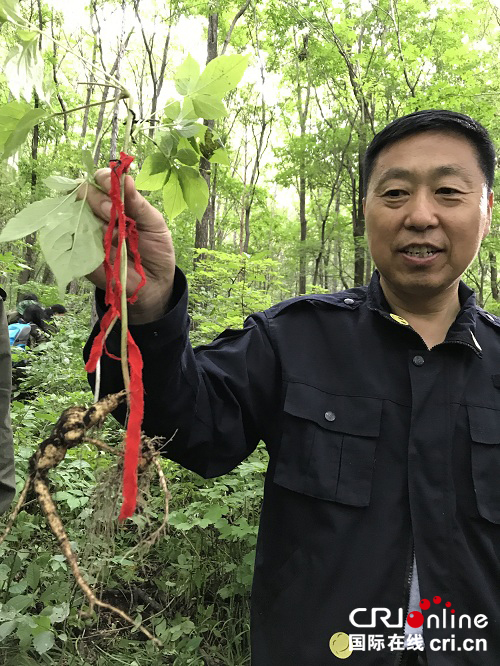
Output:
(284, 217)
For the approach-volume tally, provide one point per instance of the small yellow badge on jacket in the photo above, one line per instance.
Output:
(339, 645)
(400, 320)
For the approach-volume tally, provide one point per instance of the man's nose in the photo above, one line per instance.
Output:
(421, 211)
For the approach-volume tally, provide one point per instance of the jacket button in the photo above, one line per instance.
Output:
(329, 416)
(418, 360)
(349, 301)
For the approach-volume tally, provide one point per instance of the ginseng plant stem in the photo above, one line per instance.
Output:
(123, 262)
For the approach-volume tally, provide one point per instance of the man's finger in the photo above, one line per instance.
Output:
(99, 201)
(139, 209)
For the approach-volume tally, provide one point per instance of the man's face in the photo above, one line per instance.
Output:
(427, 210)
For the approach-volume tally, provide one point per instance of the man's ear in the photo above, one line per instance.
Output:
(489, 213)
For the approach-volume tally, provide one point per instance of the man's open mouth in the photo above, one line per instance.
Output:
(422, 251)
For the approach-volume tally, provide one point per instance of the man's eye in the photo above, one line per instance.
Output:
(394, 194)
(448, 190)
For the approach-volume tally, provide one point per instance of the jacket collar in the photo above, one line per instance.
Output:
(462, 330)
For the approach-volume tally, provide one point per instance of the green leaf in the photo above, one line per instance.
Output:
(62, 184)
(208, 107)
(173, 198)
(23, 69)
(33, 217)
(43, 623)
(16, 121)
(43, 642)
(167, 142)
(154, 172)
(7, 628)
(33, 575)
(186, 76)
(194, 189)
(72, 243)
(172, 109)
(221, 75)
(9, 12)
(20, 602)
(220, 156)
(187, 112)
(186, 154)
(59, 613)
(27, 36)
(88, 162)
(189, 129)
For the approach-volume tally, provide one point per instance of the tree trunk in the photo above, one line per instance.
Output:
(54, 77)
(303, 229)
(202, 226)
(104, 98)
(493, 275)
(90, 90)
(30, 251)
(211, 222)
(358, 215)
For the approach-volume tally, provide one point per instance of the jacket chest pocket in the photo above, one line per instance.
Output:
(485, 456)
(328, 445)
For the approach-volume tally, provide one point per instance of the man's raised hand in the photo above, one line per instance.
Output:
(155, 247)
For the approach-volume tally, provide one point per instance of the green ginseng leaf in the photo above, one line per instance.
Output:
(209, 107)
(172, 109)
(167, 142)
(23, 69)
(62, 184)
(221, 75)
(17, 119)
(173, 198)
(35, 216)
(188, 129)
(154, 172)
(72, 243)
(186, 154)
(186, 76)
(220, 156)
(9, 12)
(194, 189)
(88, 162)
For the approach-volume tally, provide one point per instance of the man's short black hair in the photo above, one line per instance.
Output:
(57, 308)
(28, 297)
(35, 314)
(431, 120)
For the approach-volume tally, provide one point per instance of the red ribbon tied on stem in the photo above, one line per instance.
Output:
(127, 233)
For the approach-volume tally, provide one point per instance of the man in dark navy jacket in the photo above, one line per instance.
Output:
(7, 472)
(380, 410)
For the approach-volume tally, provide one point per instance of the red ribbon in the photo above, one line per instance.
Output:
(127, 231)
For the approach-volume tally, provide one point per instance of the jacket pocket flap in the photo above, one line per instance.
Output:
(484, 424)
(354, 415)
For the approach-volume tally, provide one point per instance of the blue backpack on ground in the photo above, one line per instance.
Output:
(19, 335)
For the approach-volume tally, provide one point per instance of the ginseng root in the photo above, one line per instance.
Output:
(70, 431)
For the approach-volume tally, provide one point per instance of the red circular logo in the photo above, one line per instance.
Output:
(415, 619)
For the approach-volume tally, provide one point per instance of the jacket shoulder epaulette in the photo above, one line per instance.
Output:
(349, 299)
(492, 319)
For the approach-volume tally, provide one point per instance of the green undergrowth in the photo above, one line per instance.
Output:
(191, 589)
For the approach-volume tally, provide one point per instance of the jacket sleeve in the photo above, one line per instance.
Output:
(216, 401)
(7, 473)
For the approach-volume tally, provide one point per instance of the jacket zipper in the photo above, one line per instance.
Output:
(400, 659)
